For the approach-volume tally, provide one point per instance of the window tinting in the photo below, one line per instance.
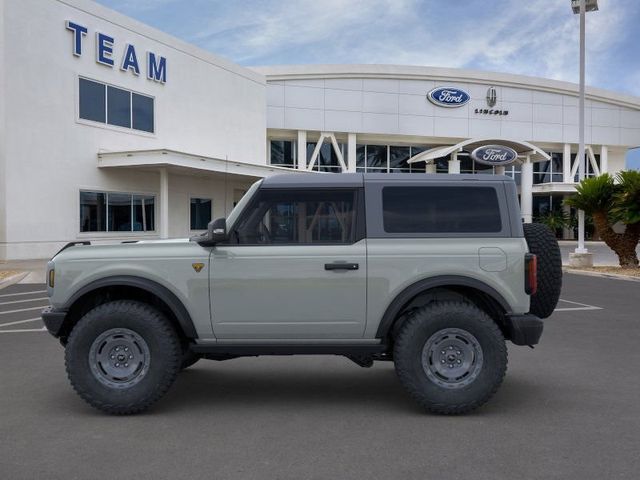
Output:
(119, 215)
(93, 212)
(115, 106)
(441, 210)
(143, 213)
(142, 114)
(283, 153)
(92, 101)
(116, 212)
(118, 107)
(298, 217)
(200, 213)
(327, 160)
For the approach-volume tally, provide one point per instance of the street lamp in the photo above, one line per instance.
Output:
(580, 7)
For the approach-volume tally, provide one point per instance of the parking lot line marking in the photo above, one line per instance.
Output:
(581, 306)
(24, 310)
(19, 321)
(574, 309)
(576, 303)
(24, 301)
(22, 293)
(43, 329)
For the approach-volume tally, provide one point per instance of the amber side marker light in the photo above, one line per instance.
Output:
(52, 277)
(530, 273)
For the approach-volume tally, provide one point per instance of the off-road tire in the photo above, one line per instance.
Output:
(165, 356)
(188, 359)
(542, 242)
(414, 334)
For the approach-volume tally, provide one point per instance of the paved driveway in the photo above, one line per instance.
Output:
(570, 409)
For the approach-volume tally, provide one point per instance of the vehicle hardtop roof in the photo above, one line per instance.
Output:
(345, 180)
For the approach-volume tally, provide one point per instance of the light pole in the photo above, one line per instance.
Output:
(580, 7)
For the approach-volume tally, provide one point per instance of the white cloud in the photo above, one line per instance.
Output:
(530, 37)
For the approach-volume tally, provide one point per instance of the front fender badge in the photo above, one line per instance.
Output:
(197, 266)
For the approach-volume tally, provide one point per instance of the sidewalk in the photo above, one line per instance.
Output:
(37, 269)
(602, 255)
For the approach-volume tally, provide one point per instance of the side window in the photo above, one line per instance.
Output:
(433, 209)
(298, 217)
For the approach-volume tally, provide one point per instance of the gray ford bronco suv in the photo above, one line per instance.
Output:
(432, 272)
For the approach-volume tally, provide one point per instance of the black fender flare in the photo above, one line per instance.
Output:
(394, 308)
(150, 286)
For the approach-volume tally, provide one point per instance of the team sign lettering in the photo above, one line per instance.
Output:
(156, 64)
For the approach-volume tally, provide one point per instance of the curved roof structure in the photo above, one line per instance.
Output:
(411, 72)
(521, 147)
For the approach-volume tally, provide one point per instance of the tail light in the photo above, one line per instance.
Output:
(530, 274)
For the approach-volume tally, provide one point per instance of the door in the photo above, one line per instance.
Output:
(294, 268)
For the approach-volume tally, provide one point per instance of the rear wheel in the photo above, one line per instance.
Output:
(451, 357)
(122, 357)
(543, 244)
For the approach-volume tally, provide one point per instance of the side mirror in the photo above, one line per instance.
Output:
(216, 233)
(217, 230)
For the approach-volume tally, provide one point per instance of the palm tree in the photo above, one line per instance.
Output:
(610, 202)
(556, 220)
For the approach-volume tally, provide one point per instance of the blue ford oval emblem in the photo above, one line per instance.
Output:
(494, 155)
(448, 96)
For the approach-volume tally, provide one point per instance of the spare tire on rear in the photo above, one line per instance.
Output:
(542, 242)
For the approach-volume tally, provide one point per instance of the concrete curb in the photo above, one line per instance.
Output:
(13, 279)
(613, 276)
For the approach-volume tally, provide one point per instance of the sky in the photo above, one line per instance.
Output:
(529, 37)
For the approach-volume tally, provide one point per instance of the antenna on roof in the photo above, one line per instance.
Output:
(226, 175)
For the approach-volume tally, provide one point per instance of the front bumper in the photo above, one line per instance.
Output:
(54, 320)
(524, 329)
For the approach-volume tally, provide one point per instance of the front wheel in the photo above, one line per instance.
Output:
(451, 357)
(123, 356)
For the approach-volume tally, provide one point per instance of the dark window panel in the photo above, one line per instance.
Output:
(118, 107)
(144, 213)
(360, 157)
(92, 101)
(93, 212)
(200, 213)
(119, 212)
(377, 157)
(142, 114)
(398, 157)
(441, 210)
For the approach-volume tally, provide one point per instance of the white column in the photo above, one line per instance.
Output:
(164, 203)
(604, 159)
(526, 191)
(302, 150)
(500, 170)
(454, 163)
(351, 152)
(430, 168)
(566, 164)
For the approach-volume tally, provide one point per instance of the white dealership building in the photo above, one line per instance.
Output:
(111, 130)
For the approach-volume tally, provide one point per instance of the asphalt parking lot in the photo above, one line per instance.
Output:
(568, 409)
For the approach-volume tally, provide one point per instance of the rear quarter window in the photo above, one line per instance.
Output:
(441, 209)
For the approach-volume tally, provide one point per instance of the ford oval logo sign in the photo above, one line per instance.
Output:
(448, 97)
(494, 155)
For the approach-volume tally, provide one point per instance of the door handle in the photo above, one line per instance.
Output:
(341, 266)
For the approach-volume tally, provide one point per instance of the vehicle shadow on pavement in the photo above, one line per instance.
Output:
(377, 390)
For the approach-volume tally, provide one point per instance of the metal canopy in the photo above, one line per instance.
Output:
(522, 148)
